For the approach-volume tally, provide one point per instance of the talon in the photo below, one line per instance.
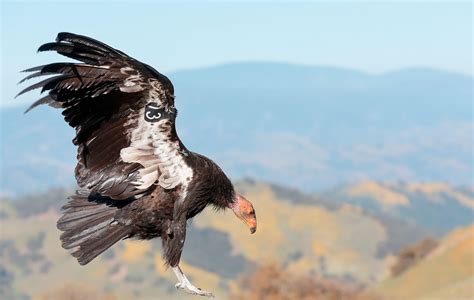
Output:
(197, 291)
(179, 285)
(187, 286)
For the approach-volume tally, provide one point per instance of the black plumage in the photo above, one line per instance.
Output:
(136, 178)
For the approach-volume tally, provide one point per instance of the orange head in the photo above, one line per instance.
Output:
(244, 210)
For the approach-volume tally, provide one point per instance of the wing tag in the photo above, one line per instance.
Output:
(154, 113)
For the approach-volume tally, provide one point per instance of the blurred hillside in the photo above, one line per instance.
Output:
(301, 126)
(343, 244)
(447, 272)
(436, 207)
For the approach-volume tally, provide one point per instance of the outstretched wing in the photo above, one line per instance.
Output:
(124, 115)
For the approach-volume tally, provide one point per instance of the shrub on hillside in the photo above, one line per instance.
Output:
(410, 255)
(272, 282)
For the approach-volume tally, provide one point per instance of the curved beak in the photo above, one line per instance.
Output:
(251, 223)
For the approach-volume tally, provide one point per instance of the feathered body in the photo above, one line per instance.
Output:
(137, 179)
(106, 221)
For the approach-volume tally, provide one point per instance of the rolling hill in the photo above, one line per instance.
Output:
(446, 273)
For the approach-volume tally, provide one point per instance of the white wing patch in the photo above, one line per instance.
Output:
(161, 158)
(143, 154)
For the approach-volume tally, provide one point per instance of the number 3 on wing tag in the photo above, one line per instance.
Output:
(153, 112)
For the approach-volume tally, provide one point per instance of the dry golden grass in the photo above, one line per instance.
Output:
(135, 250)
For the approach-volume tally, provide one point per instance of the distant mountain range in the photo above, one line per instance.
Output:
(308, 127)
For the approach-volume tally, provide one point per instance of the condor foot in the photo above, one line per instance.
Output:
(191, 289)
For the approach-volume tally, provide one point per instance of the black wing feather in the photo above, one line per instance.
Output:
(88, 42)
(101, 98)
(44, 100)
(78, 52)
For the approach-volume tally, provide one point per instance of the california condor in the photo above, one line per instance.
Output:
(136, 178)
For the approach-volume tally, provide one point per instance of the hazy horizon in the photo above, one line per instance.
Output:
(25, 101)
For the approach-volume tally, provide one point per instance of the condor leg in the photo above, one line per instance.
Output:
(186, 285)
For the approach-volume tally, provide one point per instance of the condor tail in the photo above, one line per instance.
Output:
(89, 227)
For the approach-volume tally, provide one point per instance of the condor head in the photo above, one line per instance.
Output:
(244, 210)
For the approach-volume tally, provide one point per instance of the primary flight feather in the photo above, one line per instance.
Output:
(136, 178)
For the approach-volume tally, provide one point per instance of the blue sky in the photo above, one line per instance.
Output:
(367, 36)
